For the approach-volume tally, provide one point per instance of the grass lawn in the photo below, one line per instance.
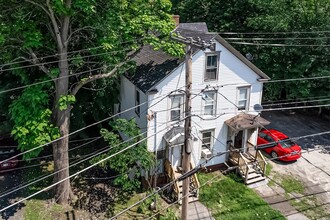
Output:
(228, 198)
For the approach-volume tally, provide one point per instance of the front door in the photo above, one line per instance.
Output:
(239, 141)
(176, 155)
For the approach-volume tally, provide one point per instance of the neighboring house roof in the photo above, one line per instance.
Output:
(153, 66)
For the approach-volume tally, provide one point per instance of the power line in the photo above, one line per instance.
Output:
(68, 59)
(306, 99)
(57, 54)
(98, 152)
(274, 38)
(48, 56)
(51, 80)
(77, 173)
(177, 179)
(266, 33)
(282, 45)
(90, 125)
(295, 102)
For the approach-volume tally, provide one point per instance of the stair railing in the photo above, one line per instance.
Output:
(243, 167)
(261, 162)
(170, 172)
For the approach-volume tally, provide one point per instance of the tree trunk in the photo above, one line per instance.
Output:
(62, 191)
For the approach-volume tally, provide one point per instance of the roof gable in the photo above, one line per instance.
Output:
(153, 66)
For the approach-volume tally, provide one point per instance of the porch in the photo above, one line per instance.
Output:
(242, 135)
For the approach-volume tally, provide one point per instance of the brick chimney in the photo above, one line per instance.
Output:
(176, 19)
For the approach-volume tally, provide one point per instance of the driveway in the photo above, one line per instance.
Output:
(312, 169)
(8, 181)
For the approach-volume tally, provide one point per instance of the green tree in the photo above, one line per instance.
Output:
(105, 32)
(130, 163)
(273, 16)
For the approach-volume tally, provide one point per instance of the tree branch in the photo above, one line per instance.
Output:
(40, 6)
(55, 26)
(80, 29)
(37, 62)
(95, 77)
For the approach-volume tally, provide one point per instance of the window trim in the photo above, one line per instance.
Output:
(207, 54)
(204, 103)
(137, 102)
(248, 89)
(181, 108)
(211, 139)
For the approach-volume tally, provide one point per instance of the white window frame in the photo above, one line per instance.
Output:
(216, 68)
(210, 143)
(180, 108)
(246, 99)
(137, 102)
(207, 101)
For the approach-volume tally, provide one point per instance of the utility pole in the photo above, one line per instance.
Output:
(187, 132)
(189, 42)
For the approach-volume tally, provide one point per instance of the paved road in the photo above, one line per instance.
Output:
(7, 182)
(296, 125)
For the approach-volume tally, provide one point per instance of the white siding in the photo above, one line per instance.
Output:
(127, 100)
(232, 74)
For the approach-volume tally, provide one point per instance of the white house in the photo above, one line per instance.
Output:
(225, 88)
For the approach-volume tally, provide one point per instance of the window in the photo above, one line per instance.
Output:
(210, 100)
(243, 98)
(176, 107)
(211, 67)
(207, 139)
(137, 102)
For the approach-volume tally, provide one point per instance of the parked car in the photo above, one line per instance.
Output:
(8, 149)
(278, 145)
(7, 153)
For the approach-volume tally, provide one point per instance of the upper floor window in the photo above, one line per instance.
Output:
(243, 98)
(176, 107)
(207, 139)
(137, 102)
(211, 67)
(209, 102)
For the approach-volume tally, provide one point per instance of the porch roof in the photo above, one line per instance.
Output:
(175, 136)
(246, 121)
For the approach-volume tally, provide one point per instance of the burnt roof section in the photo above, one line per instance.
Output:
(151, 67)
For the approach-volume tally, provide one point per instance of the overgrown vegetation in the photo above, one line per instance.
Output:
(130, 163)
(228, 198)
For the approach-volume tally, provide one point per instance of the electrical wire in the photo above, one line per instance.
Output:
(274, 38)
(58, 54)
(266, 33)
(81, 171)
(295, 102)
(90, 125)
(177, 179)
(282, 45)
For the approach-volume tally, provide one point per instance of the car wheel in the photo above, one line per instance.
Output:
(273, 154)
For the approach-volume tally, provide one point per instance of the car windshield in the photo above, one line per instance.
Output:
(286, 143)
(6, 153)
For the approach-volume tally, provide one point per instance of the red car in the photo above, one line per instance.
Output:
(278, 145)
(6, 153)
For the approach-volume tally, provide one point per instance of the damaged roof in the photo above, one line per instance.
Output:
(154, 65)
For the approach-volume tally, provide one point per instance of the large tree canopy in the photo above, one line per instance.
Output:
(307, 22)
(77, 44)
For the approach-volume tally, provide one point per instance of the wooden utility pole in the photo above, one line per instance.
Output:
(187, 132)
(190, 43)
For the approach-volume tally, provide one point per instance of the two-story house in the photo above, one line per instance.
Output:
(225, 88)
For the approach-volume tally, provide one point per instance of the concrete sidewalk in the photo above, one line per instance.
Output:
(197, 210)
